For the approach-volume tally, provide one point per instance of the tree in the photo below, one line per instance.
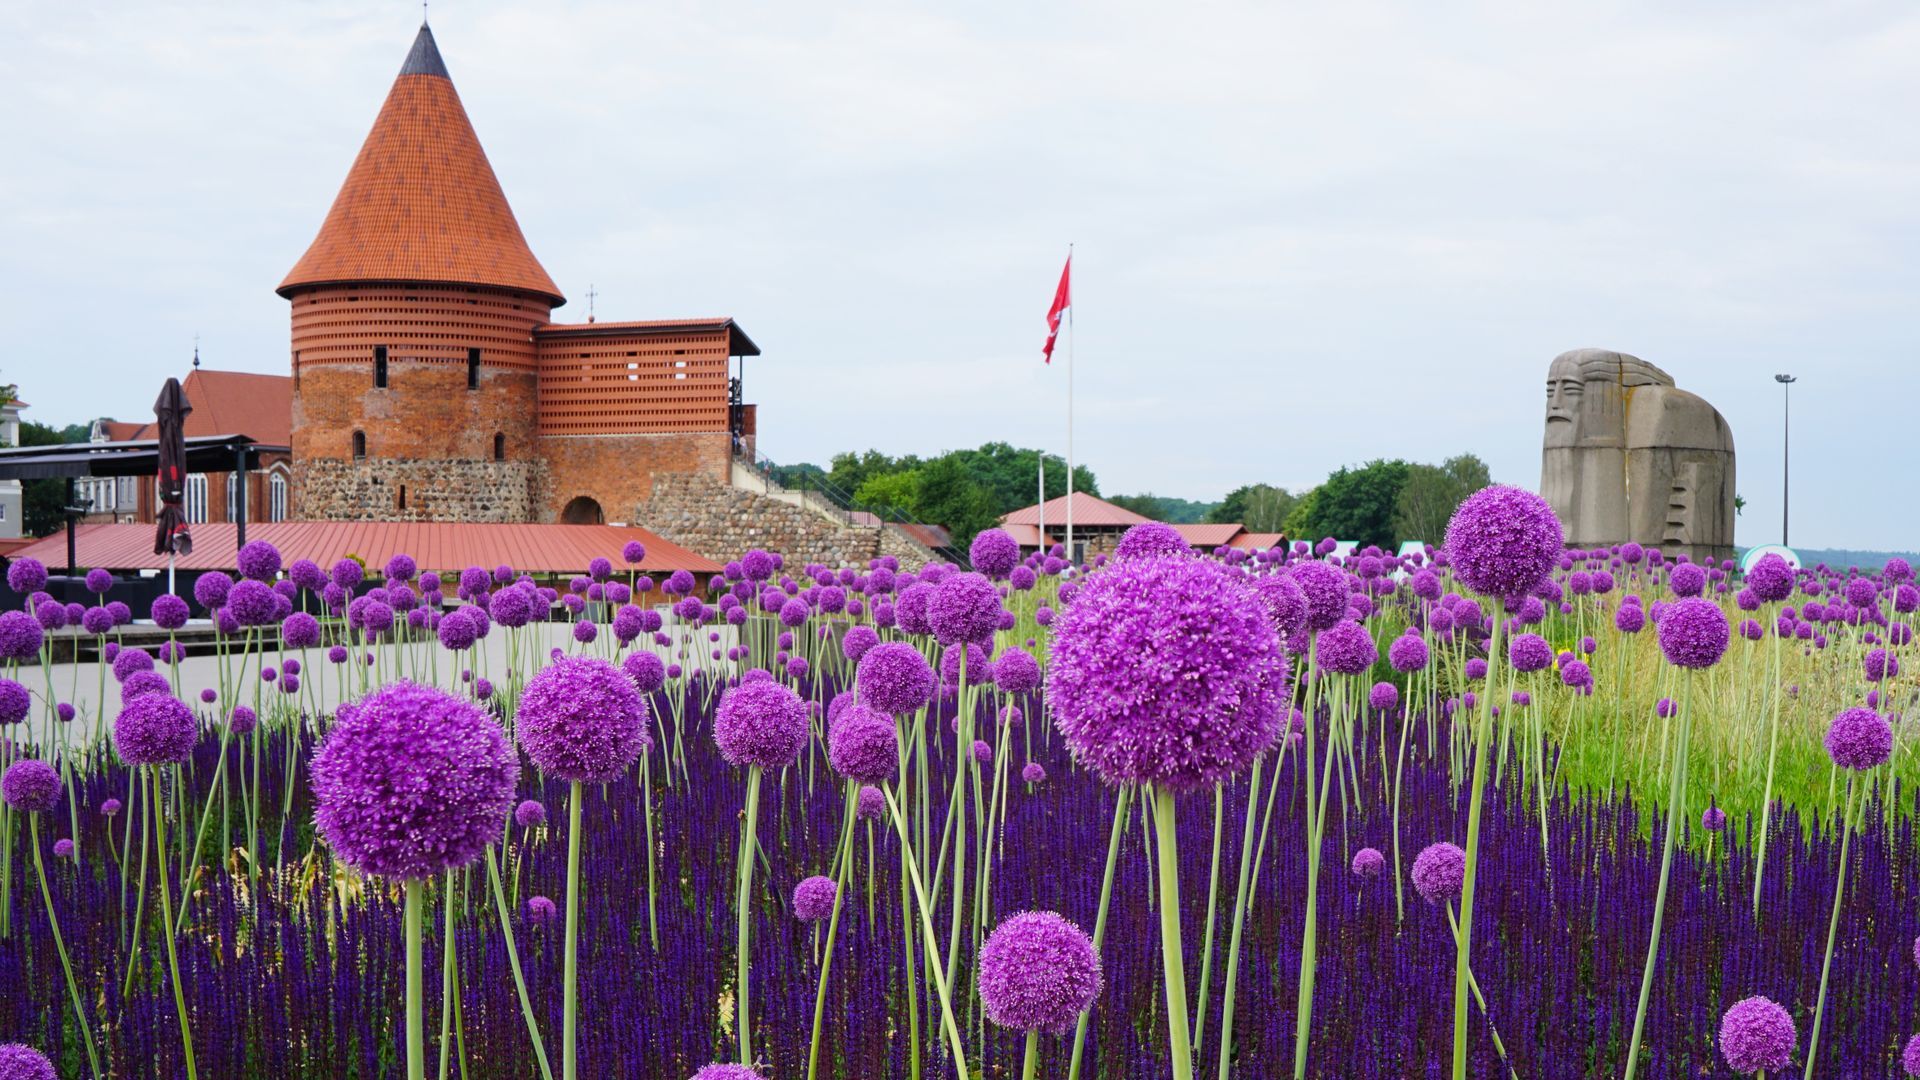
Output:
(949, 495)
(1430, 494)
(1357, 504)
(1260, 507)
(1147, 505)
(899, 492)
(43, 501)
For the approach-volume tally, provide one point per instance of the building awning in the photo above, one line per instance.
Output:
(140, 457)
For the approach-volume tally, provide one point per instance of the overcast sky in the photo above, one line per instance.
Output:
(1307, 235)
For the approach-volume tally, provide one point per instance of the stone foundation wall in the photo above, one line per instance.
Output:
(721, 522)
(400, 489)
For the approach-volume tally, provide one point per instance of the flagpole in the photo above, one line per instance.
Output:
(1070, 416)
(1041, 546)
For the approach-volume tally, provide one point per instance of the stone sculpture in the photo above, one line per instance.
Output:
(1629, 456)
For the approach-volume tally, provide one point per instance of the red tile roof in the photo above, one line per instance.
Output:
(421, 202)
(229, 403)
(126, 430)
(1088, 510)
(1253, 541)
(1207, 536)
(443, 546)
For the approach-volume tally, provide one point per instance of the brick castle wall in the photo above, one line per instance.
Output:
(721, 522)
(619, 471)
(418, 490)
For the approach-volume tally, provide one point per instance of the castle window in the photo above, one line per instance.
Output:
(403, 496)
(379, 366)
(196, 501)
(473, 369)
(499, 446)
(277, 497)
(233, 493)
(359, 445)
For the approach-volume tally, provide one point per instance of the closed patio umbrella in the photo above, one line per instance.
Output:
(170, 414)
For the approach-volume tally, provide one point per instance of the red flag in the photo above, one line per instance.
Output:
(1062, 300)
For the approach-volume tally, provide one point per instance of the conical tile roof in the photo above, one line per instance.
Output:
(421, 202)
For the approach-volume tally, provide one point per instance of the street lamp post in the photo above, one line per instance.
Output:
(1786, 392)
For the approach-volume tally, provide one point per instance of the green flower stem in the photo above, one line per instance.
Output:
(934, 967)
(1766, 793)
(1480, 998)
(1239, 913)
(1031, 1068)
(1676, 795)
(742, 912)
(447, 988)
(1179, 1050)
(1399, 767)
(1316, 839)
(833, 932)
(66, 964)
(1213, 908)
(513, 961)
(200, 834)
(570, 969)
(416, 983)
(911, 992)
(1120, 800)
(166, 920)
(1833, 928)
(1482, 737)
(646, 802)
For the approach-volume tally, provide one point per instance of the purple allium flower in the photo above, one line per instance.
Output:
(1346, 649)
(27, 575)
(154, 729)
(1167, 670)
(99, 580)
(910, 610)
(894, 678)
(1016, 672)
(20, 635)
(1687, 579)
(65, 712)
(211, 589)
(1384, 697)
(1713, 819)
(1285, 601)
(110, 808)
(982, 752)
(863, 746)
(1038, 971)
(646, 669)
(411, 781)
(16, 702)
(63, 848)
(306, 574)
(1859, 739)
(857, 640)
(129, 661)
(720, 1071)
(242, 720)
(50, 613)
(1325, 588)
(813, 898)
(1910, 1056)
(142, 683)
(870, 804)
(1694, 633)
(582, 720)
(21, 1062)
(1407, 653)
(1150, 538)
(1033, 773)
(1757, 1034)
(300, 631)
(259, 560)
(760, 723)
(1529, 652)
(1880, 665)
(1503, 541)
(1476, 668)
(169, 612)
(251, 602)
(529, 813)
(584, 632)
(1576, 674)
(964, 608)
(337, 654)
(31, 787)
(1368, 863)
(1438, 872)
(994, 553)
(633, 552)
(541, 911)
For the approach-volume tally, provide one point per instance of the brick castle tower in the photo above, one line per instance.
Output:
(428, 380)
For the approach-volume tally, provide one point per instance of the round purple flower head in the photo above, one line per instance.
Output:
(1757, 1034)
(1859, 739)
(633, 552)
(1368, 863)
(1038, 972)
(813, 898)
(1033, 773)
(1016, 672)
(16, 702)
(154, 729)
(1694, 633)
(530, 813)
(982, 752)
(1880, 665)
(1167, 670)
(1325, 588)
(719, 1071)
(20, 635)
(110, 808)
(169, 612)
(1910, 1056)
(1529, 652)
(99, 580)
(863, 746)
(760, 723)
(337, 654)
(242, 720)
(1438, 872)
(1346, 649)
(1503, 541)
(1713, 819)
(1285, 601)
(541, 911)
(63, 848)
(895, 678)
(31, 787)
(1687, 579)
(65, 712)
(1151, 538)
(26, 576)
(259, 560)
(582, 720)
(1384, 697)
(251, 602)
(1407, 653)
(870, 804)
(21, 1062)
(994, 553)
(964, 608)
(411, 781)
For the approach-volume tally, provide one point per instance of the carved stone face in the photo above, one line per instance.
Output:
(1565, 393)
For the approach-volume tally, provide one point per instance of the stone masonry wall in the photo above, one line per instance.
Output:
(720, 522)
(389, 489)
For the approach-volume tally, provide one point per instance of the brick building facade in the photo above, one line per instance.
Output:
(429, 381)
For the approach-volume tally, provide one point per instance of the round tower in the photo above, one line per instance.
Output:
(414, 383)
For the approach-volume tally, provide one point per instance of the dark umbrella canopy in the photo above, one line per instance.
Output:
(170, 413)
